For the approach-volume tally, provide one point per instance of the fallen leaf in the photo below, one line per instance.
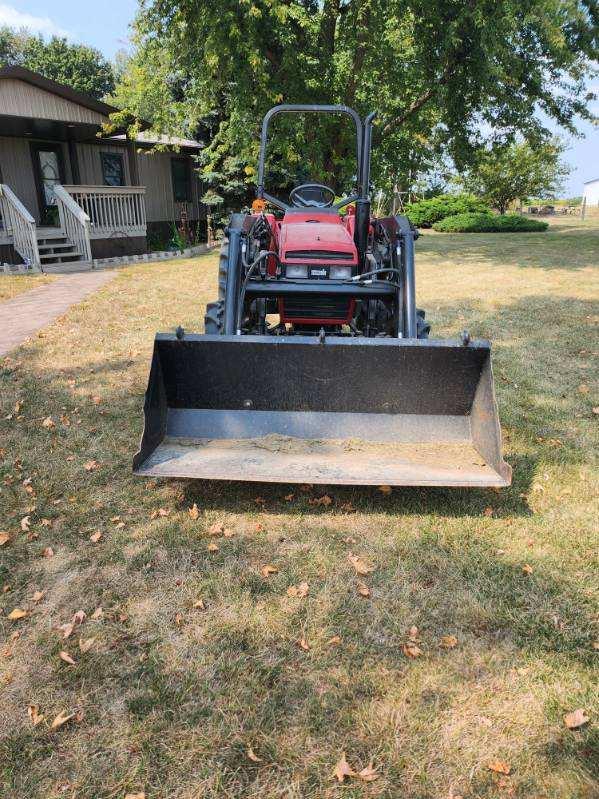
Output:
(300, 591)
(259, 527)
(67, 629)
(260, 501)
(46, 523)
(303, 644)
(79, 617)
(48, 552)
(413, 633)
(16, 614)
(596, 410)
(575, 719)
(18, 406)
(268, 569)
(583, 389)
(343, 769)
(48, 423)
(61, 719)
(96, 400)
(178, 619)
(252, 755)
(135, 795)
(411, 650)
(66, 657)
(34, 715)
(115, 519)
(449, 641)
(199, 604)
(488, 511)
(38, 596)
(362, 568)
(334, 641)
(95, 537)
(385, 489)
(289, 497)
(499, 767)
(97, 614)
(162, 512)
(363, 589)
(85, 644)
(368, 774)
(347, 507)
(527, 569)
(25, 524)
(120, 525)
(228, 533)
(91, 466)
(212, 547)
(323, 501)
(4, 539)
(193, 512)
(218, 528)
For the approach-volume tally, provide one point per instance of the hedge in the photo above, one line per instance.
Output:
(426, 212)
(487, 223)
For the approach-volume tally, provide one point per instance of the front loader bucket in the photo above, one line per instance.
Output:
(362, 411)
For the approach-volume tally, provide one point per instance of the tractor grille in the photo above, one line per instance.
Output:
(304, 306)
(320, 255)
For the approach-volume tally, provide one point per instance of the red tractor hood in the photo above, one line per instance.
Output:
(322, 233)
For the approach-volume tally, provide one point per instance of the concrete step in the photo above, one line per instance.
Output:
(65, 268)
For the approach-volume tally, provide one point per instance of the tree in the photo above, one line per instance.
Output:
(436, 70)
(502, 174)
(76, 65)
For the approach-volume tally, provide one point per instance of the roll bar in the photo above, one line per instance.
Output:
(363, 142)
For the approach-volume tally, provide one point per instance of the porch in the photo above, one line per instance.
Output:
(91, 221)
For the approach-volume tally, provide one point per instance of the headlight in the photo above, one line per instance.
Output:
(296, 270)
(340, 273)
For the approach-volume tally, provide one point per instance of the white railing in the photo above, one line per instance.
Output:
(74, 222)
(112, 210)
(19, 226)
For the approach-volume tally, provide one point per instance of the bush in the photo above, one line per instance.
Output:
(426, 212)
(487, 223)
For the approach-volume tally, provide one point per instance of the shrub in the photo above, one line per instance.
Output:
(426, 212)
(487, 223)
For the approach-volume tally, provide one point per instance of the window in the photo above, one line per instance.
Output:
(113, 169)
(180, 174)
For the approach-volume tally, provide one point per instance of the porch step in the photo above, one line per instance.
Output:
(66, 267)
(59, 257)
(65, 245)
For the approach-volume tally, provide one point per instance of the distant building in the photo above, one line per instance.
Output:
(590, 195)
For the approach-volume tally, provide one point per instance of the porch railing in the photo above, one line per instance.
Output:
(74, 222)
(112, 210)
(19, 226)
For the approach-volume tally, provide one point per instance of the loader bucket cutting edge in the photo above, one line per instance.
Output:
(349, 411)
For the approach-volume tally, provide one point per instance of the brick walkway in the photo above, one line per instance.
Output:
(25, 314)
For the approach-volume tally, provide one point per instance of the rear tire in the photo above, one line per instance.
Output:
(215, 311)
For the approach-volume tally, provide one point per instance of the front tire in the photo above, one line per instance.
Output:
(215, 311)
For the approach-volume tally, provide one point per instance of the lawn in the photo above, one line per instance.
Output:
(11, 285)
(197, 673)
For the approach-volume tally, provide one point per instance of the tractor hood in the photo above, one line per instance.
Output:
(316, 235)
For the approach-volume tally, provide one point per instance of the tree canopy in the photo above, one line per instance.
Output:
(76, 65)
(501, 174)
(439, 72)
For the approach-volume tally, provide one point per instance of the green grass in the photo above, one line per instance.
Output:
(170, 696)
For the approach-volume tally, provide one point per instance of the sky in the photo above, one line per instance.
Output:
(104, 24)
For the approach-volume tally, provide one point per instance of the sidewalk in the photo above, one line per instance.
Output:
(27, 313)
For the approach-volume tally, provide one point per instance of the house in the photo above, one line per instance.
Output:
(590, 196)
(69, 193)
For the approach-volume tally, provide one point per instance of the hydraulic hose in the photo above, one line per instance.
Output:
(261, 255)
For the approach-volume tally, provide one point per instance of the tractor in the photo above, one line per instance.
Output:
(315, 365)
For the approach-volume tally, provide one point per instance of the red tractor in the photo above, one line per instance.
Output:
(315, 365)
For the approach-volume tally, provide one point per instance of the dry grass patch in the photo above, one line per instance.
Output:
(12, 285)
(172, 696)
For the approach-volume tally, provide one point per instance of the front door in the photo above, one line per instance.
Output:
(49, 171)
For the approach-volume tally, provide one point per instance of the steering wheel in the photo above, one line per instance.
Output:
(312, 195)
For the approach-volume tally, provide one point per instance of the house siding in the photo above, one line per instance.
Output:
(155, 175)
(90, 164)
(17, 171)
(21, 99)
